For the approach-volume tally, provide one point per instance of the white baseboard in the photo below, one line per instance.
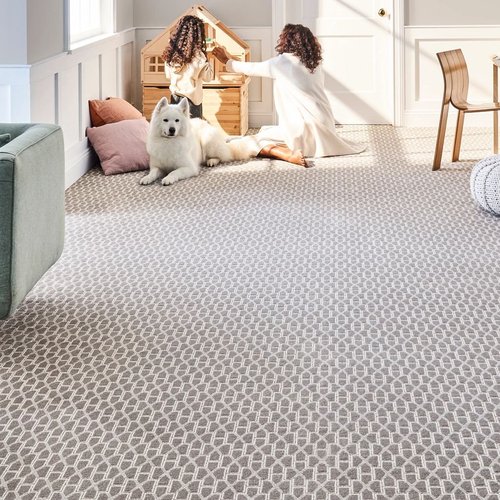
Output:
(77, 165)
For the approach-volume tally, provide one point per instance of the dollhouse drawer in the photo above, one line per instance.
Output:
(150, 97)
(226, 107)
(216, 97)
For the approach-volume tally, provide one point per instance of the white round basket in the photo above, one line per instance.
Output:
(485, 184)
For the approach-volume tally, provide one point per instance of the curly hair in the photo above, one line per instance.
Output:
(299, 41)
(187, 39)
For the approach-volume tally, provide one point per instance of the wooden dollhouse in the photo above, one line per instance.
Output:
(225, 98)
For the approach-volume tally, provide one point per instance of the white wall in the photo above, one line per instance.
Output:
(45, 29)
(57, 90)
(13, 26)
(232, 13)
(124, 14)
(14, 72)
(61, 86)
(45, 20)
(423, 80)
(451, 12)
(14, 93)
(437, 25)
(39, 82)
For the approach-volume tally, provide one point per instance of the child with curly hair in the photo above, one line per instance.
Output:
(186, 63)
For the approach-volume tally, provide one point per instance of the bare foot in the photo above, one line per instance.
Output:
(298, 158)
(281, 152)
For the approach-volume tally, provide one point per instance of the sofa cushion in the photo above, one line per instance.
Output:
(121, 146)
(4, 139)
(111, 110)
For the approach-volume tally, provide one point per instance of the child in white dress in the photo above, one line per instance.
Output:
(306, 127)
(186, 63)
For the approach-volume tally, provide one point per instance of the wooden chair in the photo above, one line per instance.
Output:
(456, 87)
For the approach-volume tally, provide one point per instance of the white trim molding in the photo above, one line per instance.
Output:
(398, 30)
(279, 16)
(61, 86)
(423, 80)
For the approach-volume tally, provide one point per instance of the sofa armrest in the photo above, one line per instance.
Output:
(15, 129)
(24, 135)
(31, 209)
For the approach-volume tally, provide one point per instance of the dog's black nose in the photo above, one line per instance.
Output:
(171, 130)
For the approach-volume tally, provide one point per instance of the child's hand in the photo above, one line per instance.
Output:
(221, 54)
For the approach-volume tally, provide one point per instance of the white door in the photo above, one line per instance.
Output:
(357, 41)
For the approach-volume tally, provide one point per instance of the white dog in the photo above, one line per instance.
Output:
(178, 145)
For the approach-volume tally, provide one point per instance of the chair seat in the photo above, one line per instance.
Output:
(477, 108)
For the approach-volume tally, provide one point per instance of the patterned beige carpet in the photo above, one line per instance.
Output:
(264, 331)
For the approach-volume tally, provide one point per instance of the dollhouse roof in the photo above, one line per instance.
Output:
(222, 33)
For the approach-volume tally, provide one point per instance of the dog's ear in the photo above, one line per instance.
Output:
(162, 103)
(184, 106)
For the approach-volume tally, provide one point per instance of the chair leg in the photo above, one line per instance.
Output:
(438, 154)
(495, 132)
(458, 136)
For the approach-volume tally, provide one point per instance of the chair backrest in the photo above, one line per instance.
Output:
(456, 76)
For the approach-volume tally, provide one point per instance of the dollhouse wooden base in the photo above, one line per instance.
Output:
(223, 106)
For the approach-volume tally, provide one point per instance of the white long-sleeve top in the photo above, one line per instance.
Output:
(305, 118)
(187, 80)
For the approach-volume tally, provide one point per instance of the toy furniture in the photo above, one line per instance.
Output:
(225, 98)
(456, 87)
(31, 207)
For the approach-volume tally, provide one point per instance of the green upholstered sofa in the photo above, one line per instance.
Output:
(31, 207)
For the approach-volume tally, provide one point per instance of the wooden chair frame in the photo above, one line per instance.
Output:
(456, 88)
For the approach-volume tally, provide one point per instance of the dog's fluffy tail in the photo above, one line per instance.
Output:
(243, 148)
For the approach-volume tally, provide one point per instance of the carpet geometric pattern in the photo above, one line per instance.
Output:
(264, 331)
